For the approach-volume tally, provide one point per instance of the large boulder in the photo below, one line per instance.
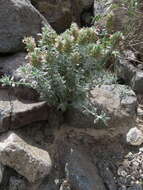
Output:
(29, 161)
(118, 102)
(18, 18)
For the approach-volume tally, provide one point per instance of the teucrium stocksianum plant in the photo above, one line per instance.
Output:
(62, 67)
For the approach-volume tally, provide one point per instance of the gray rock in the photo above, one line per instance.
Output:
(61, 14)
(137, 82)
(16, 184)
(48, 183)
(58, 14)
(1, 172)
(86, 4)
(134, 137)
(81, 173)
(125, 70)
(15, 113)
(102, 7)
(107, 175)
(18, 18)
(123, 188)
(31, 162)
(48, 186)
(9, 64)
(128, 99)
(111, 9)
(131, 75)
(121, 109)
(136, 187)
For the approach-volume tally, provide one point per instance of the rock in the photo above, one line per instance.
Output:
(128, 99)
(48, 183)
(15, 113)
(48, 187)
(31, 162)
(26, 93)
(130, 171)
(131, 75)
(123, 188)
(24, 20)
(137, 82)
(85, 8)
(107, 175)
(125, 69)
(7, 173)
(82, 174)
(117, 101)
(86, 4)
(134, 137)
(86, 18)
(16, 184)
(9, 64)
(135, 187)
(1, 172)
(58, 13)
(101, 7)
(115, 21)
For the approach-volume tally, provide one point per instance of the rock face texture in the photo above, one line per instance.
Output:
(15, 183)
(15, 113)
(131, 74)
(119, 104)
(61, 13)
(9, 64)
(137, 81)
(1, 172)
(82, 174)
(18, 18)
(29, 161)
(125, 69)
(58, 13)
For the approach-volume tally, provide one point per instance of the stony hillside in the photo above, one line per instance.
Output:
(71, 95)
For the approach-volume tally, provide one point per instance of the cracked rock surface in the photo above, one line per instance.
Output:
(15, 113)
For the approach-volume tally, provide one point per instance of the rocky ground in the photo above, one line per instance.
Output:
(43, 149)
